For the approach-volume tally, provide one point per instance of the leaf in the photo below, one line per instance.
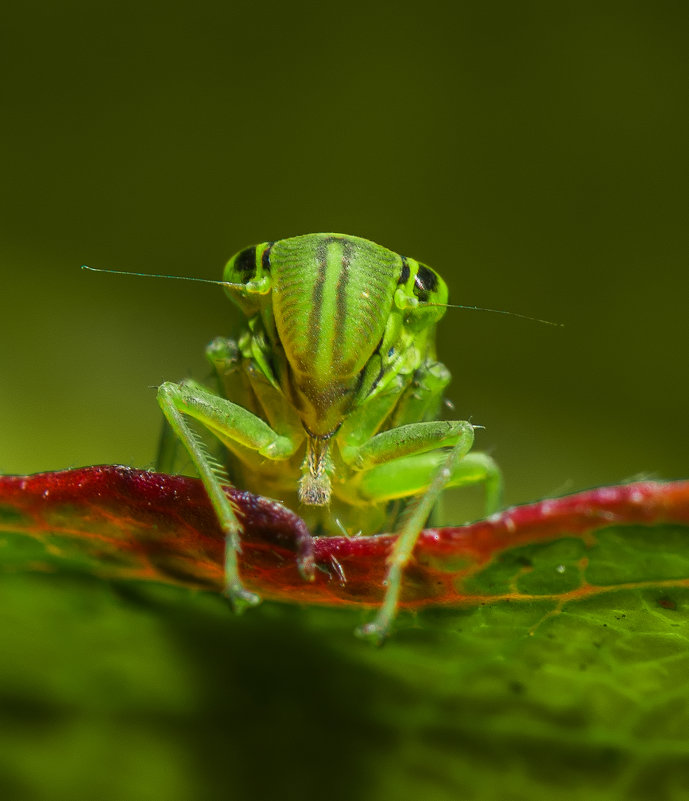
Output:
(125, 523)
(544, 654)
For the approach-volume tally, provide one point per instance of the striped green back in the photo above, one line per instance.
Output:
(331, 298)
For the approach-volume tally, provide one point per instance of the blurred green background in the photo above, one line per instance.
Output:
(534, 153)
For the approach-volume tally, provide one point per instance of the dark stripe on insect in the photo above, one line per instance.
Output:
(265, 257)
(404, 274)
(382, 370)
(381, 373)
(341, 299)
(359, 380)
(314, 328)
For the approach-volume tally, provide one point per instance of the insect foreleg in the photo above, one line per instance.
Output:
(408, 477)
(226, 420)
(394, 407)
(243, 379)
(412, 439)
(402, 550)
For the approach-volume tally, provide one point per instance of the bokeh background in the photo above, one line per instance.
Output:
(534, 153)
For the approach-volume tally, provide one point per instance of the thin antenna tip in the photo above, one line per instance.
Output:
(500, 311)
(153, 275)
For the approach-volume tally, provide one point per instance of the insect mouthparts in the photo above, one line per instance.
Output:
(314, 484)
(314, 490)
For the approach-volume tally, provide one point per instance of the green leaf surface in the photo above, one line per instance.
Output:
(542, 654)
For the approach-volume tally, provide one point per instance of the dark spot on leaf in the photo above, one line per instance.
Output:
(667, 603)
(9, 515)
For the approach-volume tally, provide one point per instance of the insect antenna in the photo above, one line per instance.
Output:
(497, 311)
(158, 275)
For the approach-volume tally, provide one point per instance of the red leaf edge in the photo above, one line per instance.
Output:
(163, 528)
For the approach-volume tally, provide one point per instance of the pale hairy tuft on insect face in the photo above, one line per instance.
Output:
(314, 490)
(314, 484)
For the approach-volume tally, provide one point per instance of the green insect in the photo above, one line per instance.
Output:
(329, 398)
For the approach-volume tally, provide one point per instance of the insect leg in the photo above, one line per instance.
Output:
(423, 398)
(402, 550)
(398, 405)
(407, 477)
(226, 420)
(223, 353)
(414, 438)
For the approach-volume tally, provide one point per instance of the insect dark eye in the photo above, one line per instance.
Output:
(245, 263)
(265, 257)
(426, 281)
(404, 275)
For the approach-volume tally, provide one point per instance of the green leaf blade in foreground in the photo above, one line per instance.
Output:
(544, 655)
